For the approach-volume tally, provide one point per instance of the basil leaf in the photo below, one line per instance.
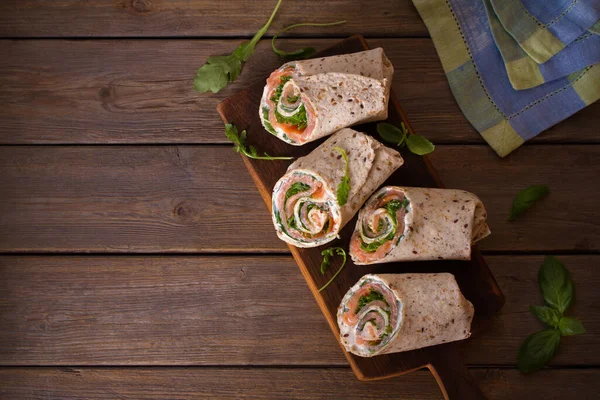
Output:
(419, 145)
(343, 189)
(526, 198)
(570, 326)
(538, 349)
(555, 283)
(547, 315)
(391, 133)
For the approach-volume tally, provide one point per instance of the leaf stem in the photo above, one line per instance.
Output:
(287, 28)
(337, 273)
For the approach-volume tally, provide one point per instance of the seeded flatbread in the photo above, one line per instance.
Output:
(413, 311)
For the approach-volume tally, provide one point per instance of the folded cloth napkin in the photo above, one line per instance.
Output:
(478, 77)
(545, 27)
(522, 58)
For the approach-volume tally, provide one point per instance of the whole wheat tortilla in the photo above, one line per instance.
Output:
(369, 164)
(431, 310)
(438, 224)
(342, 90)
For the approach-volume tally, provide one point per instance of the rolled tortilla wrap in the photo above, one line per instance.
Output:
(390, 313)
(410, 224)
(306, 212)
(306, 100)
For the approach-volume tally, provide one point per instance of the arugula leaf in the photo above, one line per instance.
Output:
(547, 315)
(526, 198)
(299, 119)
(304, 52)
(570, 326)
(556, 285)
(239, 140)
(538, 349)
(295, 189)
(419, 145)
(220, 70)
(373, 295)
(392, 134)
(328, 254)
(279, 89)
(343, 189)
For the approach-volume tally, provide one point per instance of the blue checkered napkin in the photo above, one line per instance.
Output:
(524, 71)
(544, 28)
(478, 77)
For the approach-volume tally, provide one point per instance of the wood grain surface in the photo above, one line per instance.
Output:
(231, 310)
(297, 383)
(184, 18)
(141, 91)
(120, 72)
(190, 198)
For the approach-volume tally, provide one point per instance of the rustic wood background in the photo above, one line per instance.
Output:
(138, 260)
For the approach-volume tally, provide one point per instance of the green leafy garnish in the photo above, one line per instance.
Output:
(373, 295)
(570, 326)
(372, 247)
(220, 70)
(392, 208)
(267, 124)
(538, 349)
(547, 315)
(400, 136)
(419, 145)
(392, 134)
(343, 189)
(328, 255)
(556, 285)
(526, 198)
(279, 89)
(239, 140)
(299, 119)
(295, 189)
(557, 289)
(304, 52)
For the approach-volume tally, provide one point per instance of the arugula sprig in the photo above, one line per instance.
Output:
(557, 289)
(526, 198)
(304, 52)
(220, 70)
(343, 189)
(328, 255)
(239, 140)
(400, 136)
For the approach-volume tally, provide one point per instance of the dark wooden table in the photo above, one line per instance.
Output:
(138, 260)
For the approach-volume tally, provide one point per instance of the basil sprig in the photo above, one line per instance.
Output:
(526, 198)
(557, 288)
(400, 136)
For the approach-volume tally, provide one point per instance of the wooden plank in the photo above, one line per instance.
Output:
(140, 91)
(126, 310)
(201, 199)
(278, 383)
(181, 18)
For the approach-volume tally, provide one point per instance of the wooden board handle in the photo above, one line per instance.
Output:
(453, 377)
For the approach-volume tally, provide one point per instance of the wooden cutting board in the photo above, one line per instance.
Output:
(474, 277)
